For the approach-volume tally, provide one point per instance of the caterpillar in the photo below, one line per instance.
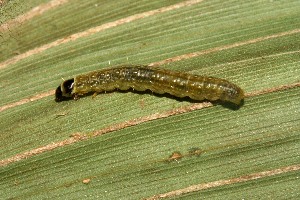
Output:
(158, 80)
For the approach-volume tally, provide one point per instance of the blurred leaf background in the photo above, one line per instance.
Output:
(215, 143)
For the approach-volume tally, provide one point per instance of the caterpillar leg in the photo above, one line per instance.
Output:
(95, 94)
(76, 97)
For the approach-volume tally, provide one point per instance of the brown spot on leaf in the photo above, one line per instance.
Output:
(86, 181)
(175, 156)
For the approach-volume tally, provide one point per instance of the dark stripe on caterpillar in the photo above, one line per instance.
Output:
(158, 80)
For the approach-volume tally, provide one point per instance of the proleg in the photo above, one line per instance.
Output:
(157, 80)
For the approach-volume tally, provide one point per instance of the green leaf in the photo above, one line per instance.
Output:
(129, 145)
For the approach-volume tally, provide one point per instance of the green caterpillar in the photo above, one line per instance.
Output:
(158, 80)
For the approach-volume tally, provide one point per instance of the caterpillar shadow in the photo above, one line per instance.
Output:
(228, 105)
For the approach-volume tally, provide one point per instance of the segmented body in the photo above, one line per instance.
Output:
(158, 80)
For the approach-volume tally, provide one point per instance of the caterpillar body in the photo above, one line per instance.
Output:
(158, 80)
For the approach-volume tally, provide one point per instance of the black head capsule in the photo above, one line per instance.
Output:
(64, 91)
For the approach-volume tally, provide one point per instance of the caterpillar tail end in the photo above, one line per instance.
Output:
(237, 97)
